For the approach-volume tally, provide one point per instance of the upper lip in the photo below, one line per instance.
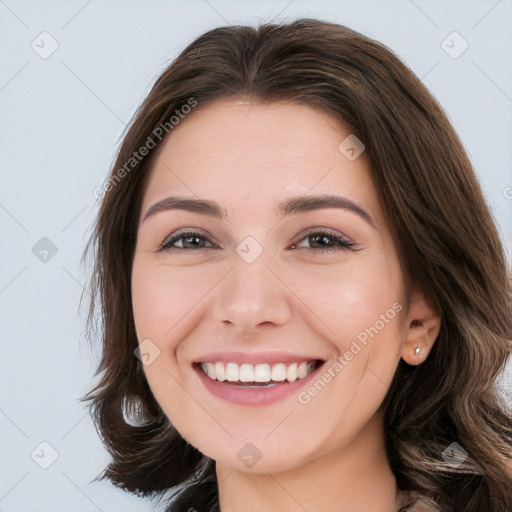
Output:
(255, 358)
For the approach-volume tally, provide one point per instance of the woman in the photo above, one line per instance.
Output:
(304, 297)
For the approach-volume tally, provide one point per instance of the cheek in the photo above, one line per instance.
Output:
(371, 309)
(163, 302)
(162, 298)
(350, 298)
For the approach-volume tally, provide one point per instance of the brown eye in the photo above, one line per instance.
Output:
(326, 241)
(190, 240)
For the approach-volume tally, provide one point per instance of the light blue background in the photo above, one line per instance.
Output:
(61, 121)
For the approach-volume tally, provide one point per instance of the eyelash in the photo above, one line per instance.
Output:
(344, 244)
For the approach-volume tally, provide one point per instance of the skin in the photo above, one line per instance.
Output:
(327, 454)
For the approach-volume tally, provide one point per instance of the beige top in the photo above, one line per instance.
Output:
(421, 504)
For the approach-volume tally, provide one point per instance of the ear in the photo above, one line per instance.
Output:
(423, 325)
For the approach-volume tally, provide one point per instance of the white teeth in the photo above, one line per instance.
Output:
(232, 372)
(219, 372)
(302, 370)
(210, 370)
(246, 373)
(262, 373)
(291, 372)
(279, 372)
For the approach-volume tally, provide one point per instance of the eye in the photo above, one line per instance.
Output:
(319, 240)
(189, 240)
(326, 241)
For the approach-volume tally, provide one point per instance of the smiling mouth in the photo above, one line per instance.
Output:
(258, 375)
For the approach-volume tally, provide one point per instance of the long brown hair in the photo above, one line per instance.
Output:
(445, 235)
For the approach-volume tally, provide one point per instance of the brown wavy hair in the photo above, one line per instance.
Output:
(444, 232)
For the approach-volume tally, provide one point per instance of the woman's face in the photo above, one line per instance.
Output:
(274, 280)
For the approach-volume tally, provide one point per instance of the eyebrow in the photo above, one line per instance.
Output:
(285, 208)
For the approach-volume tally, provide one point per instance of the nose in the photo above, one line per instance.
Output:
(252, 295)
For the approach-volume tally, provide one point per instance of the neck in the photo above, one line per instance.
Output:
(353, 479)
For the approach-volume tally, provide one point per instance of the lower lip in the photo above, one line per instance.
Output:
(254, 396)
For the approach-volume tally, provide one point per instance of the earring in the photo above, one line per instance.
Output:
(417, 350)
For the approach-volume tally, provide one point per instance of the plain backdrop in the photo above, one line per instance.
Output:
(72, 74)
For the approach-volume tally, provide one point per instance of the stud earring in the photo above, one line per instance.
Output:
(417, 350)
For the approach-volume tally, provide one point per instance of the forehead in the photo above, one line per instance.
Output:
(243, 152)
